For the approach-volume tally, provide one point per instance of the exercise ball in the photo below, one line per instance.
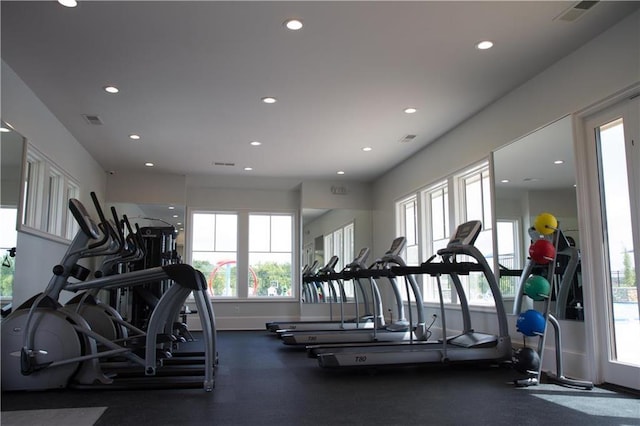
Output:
(545, 223)
(537, 287)
(542, 251)
(530, 323)
(526, 360)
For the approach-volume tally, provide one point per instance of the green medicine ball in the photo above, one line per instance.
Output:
(537, 287)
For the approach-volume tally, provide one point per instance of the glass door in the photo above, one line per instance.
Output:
(614, 135)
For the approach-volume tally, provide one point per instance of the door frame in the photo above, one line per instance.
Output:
(597, 313)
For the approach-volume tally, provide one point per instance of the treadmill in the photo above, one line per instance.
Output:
(397, 331)
(309, 294)
(468, 346)
(328, 274)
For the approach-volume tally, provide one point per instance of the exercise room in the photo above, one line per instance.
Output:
(319, 212)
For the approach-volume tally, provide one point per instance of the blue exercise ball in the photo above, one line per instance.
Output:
(530, 323)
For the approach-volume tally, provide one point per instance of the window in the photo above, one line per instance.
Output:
(47, 190)
(31, 204)
(244, 254)
(8, 238)
(508, 254)
(340, 243)
(437, 236)
(475, 200)
(270, 255)
(214, 251)
(408, 227)
(72, 226)
(55, 202)
(429, 220)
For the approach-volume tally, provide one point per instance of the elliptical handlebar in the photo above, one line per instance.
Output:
(87, 225)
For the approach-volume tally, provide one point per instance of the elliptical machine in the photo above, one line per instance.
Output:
(47, 346)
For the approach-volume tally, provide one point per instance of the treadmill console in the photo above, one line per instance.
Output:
(333, 261)
(396, 247)
(466, 234)
(361, 258)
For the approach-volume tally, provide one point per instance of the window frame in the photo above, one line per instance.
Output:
(242, 252)
(46, 190)
(453, 185)
(291, 251)
(213, 249)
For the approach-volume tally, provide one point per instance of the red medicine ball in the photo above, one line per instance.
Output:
(542, 251)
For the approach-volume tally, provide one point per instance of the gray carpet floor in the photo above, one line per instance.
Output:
(261, 382)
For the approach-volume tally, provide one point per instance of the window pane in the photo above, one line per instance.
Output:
(8, 239)
(71, 226)
(281, 233)
(203, 231)
(220, 270)
(270, 274)
(486, 197)
(620, 249)
(54, 205)
(473, 198)
(260, 232)
(226, 232)
(30, 207)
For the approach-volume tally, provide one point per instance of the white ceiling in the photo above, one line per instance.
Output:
(191, 76)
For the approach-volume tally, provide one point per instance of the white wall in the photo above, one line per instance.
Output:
(327, 195)
(605, 66)
(29, 116)
(146, 188)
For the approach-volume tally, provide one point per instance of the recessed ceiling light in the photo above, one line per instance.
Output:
(68, 3)
(269, 100)
(484, 45)
(111, 89)
(367, 149)
(340, 172)
(505, 181)
(558, 162)
(149, 164)
(178, 223)
(134, 137)
(256, 143)
(410, 110)
(171, 208)
(248, 169)
(4, 129)
(293, 24)
(175, 215)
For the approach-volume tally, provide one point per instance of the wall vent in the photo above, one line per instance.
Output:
(92, 119)
(408, 138)
(576, 11)
(220, 163)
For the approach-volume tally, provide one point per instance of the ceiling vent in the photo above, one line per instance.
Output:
(92, 119)
(576, 11)
(219, 163)
(408, 138)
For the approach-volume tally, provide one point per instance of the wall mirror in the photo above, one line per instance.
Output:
(149, 216)
(532, 175)
(329, 232)
(11, 154)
